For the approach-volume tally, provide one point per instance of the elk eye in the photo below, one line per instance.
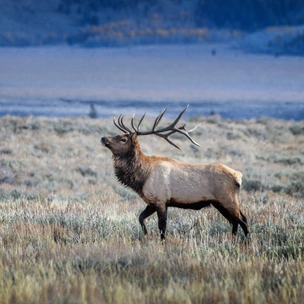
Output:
(123, 140)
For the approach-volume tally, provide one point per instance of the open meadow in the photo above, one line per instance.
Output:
(69, 232)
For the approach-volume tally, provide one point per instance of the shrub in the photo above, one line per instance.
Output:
(295, 188)
(6, 176)
(233, 136)
(86, 171)
(289, 161)
(252, 185)
(296, 130)
(278, 188)
(6, 151)
(63, 127)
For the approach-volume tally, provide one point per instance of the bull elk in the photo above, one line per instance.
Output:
(164, 182)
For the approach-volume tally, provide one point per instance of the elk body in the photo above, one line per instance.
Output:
(164, 182)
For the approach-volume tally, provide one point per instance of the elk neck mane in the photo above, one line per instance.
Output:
(132, 169)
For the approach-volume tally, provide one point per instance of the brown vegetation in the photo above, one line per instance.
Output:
(69, 232)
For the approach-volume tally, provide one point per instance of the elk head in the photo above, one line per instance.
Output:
(120, 145)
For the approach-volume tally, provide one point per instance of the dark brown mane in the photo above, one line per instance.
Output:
(132, 169)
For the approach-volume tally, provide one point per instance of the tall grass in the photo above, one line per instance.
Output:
(69, 232)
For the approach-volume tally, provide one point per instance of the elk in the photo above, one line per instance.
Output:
(164, 182)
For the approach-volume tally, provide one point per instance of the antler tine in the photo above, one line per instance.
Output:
(183, 131)
(172, 125)
(193, 128)
(123, 125)
(136, 129)
(138, 126)
(177, 119)
(132, 124)
(118, 126)
(166, 137)
(158, 119)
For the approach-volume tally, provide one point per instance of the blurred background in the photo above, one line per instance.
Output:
(121, 22)
(237, 58)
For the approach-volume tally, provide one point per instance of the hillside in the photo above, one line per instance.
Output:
(93, 23)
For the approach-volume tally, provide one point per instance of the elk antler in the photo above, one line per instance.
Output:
(163, 132)
(120, 125)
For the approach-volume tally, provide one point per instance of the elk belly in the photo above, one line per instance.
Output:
(190, 186)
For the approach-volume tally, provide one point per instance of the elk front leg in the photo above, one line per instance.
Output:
(142, 217)
(162, 220)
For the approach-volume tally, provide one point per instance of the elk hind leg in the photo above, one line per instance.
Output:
(234, 217)
(240, 219)
(225, 212)
(142, 217)
(244, 219)
(244, 223)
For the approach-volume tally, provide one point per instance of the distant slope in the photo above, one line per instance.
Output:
(100, 23)
(285, 40)
(95, 23)
(33, 22)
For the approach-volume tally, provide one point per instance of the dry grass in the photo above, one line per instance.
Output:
(69, 231)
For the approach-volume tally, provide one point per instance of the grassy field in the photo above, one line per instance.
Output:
(69, 232)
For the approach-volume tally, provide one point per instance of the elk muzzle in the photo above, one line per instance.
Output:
(105, 142)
